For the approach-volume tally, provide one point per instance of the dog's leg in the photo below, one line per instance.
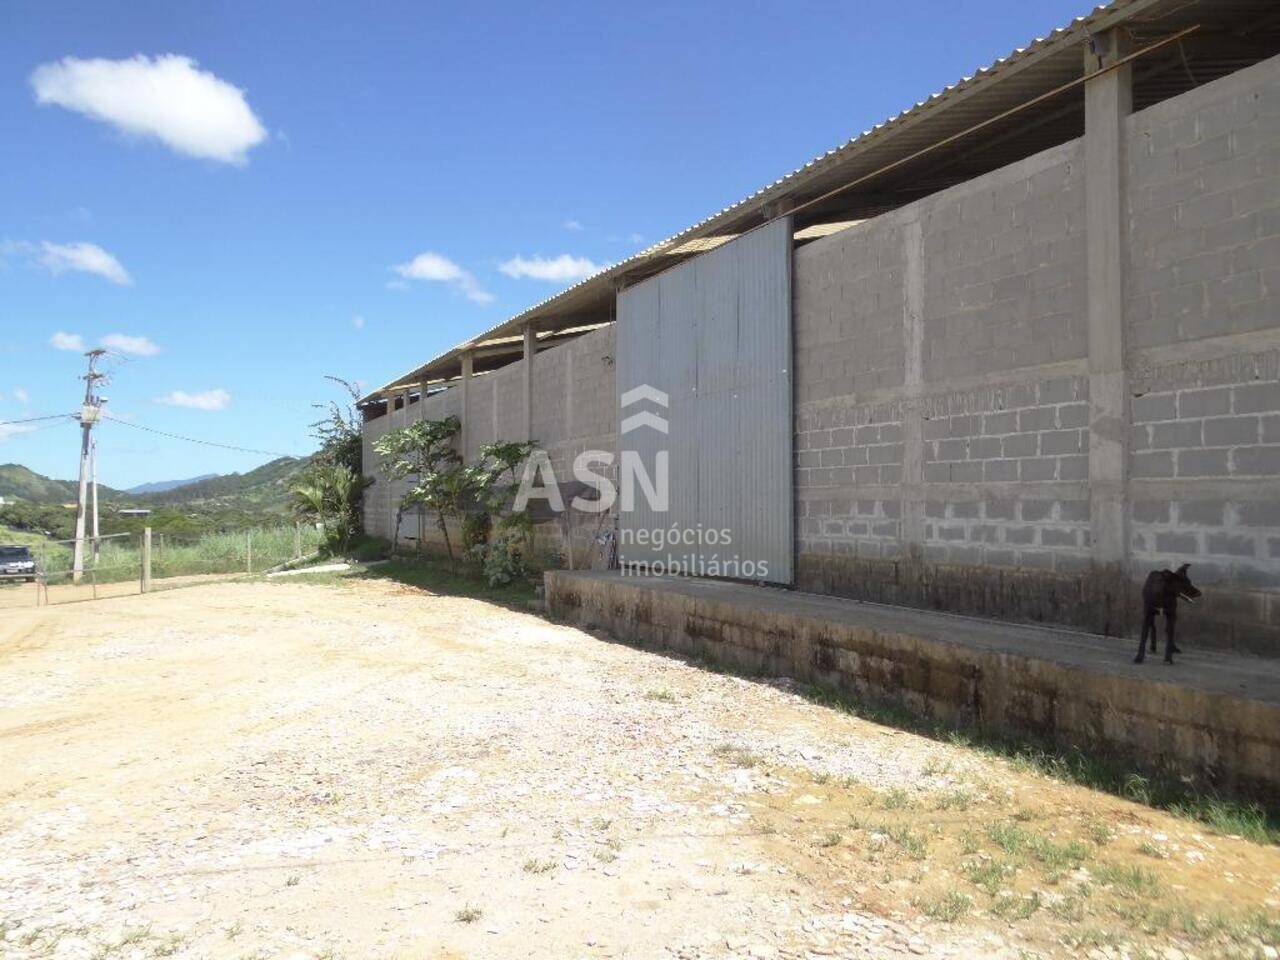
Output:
(1169, 623)
(1148, 624)
(1153, 631)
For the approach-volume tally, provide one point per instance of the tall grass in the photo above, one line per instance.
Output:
(120, 558)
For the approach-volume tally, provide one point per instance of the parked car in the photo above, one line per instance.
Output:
(17, 563)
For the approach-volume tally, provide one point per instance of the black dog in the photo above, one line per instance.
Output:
(1160, 595)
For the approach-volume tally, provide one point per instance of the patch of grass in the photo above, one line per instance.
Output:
(987, 874)
(168, 945)
(468, 914)
(1070, 908)
(1009, 837)
(606, 855)
(1012, 907)
(953, 800)
(829, 839)
(897, 799)
(1150, 848)
(736, 755)
(1093, 768)
(1099, 832)
(948, 908)
(1058, 856)
(936, 766)
(1134, 880)
(292, 880)
(134, 935)
(533, 865)
(457, 579)
(913, 844)
(662, 696)
(1086, 938)
(1249, 821)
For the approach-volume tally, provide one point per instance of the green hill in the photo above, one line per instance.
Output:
(18, 481)
(263, 488)
(234, 501)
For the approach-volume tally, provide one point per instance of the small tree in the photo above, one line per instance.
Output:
(339, 431)
(494, 481)
(329, 489)
(424, 450)
(330, 494)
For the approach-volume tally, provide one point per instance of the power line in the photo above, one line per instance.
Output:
(52, 416)
(206, 443)
(43, 426)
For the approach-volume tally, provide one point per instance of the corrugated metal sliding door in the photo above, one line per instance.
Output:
(704, 377)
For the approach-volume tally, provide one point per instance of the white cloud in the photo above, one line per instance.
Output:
(573, 225)
(8, 430)
(216, 399)
(358, 322)
(20, 394)
(559, 269)
(433, 268)
(67, 341)
(189, 110)
(133, 346)
(82, 257)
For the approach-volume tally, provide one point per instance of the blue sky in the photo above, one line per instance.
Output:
(234, 221)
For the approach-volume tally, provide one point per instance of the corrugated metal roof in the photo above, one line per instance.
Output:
(1044, 63)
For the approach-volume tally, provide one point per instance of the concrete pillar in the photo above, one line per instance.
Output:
(1108, 100)
(530, 350)
(463, 386)
(391, 487)
(913, 380)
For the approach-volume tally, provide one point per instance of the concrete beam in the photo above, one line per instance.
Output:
(464, 386)
(1108, 100)
(913, 381)
(530, 351)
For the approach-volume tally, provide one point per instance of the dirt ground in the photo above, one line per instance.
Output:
(362, 769)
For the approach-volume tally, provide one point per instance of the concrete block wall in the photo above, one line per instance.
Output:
(840, 444)
(1003, 269)
(574, 409)
(1203, 199)
(853, 283)
(963, 480)
(1029, 432)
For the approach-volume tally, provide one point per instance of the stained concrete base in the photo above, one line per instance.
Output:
(1212, 717)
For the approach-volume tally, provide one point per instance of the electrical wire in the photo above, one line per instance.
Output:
(52, 416)
(206, 443)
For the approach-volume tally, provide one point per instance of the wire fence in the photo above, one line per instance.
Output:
(129, 563)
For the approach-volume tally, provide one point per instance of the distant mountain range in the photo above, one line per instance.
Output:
(18, 481)
(265, 488)
(163, 486)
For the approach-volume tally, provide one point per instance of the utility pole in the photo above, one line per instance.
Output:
(93, 467)
(90, 413)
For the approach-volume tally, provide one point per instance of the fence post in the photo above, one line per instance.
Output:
(297, 539)
(146, 559)
(248, 551)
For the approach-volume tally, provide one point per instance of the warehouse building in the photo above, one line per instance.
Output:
(1000, 355)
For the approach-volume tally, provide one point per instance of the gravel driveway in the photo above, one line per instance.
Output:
(368, 770)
